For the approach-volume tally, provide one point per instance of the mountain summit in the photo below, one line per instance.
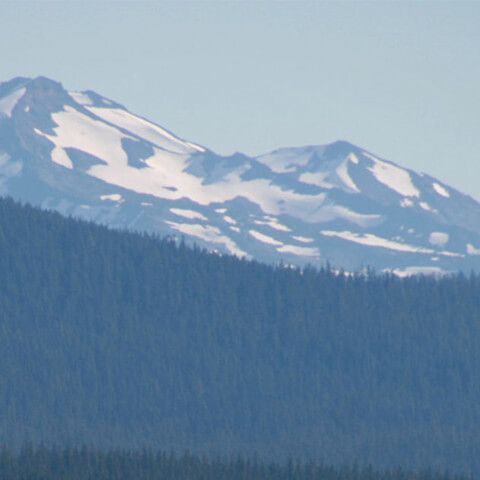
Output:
(84, 155)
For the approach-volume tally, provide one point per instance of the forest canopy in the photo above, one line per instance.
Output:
(122, 340)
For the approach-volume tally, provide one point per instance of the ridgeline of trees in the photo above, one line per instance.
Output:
(115, 339)
(89, 463)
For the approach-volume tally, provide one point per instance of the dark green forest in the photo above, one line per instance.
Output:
(83, 463)
(121, 340)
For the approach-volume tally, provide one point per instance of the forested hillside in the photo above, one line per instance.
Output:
(121, 340)
(89, 463)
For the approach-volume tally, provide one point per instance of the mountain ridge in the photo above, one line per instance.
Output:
(85, 155)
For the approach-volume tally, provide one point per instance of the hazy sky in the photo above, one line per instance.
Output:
(399, 78)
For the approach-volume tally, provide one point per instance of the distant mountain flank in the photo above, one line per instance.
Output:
(84, 155)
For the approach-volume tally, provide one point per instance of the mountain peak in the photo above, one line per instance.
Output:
(85, 155)
(6, 88)
(42, 82)
(37, 83)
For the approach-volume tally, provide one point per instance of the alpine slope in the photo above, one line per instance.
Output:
(87, 156)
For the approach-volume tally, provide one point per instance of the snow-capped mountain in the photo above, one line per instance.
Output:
(84, 155)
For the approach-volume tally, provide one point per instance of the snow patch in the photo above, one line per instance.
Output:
(302, 239)
(235, 229)
(273, 223)
(441, 190)
(220, 210)
(393, 177)
(315, 178)
(342, 172)
(264, 238)
(406, 202)
(7, 104)
(427, 207)
(81, 98)
(144, 129)
(229, 220)
(76, 130)
(409, 271)
(115, 197)
(361, 219)
(301, 251)
(191, 214)
(287, 160)
(147, 204)
(209, 234)
(438, 238)
(375, 241)
(353, 158)
(451, 254)
(471, 250)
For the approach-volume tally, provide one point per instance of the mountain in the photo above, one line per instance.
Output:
(84, 155)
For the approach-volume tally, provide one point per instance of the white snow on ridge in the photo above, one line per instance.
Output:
(191, 214)
(410, 271)
(229, 220)
(319, 178)
(264, 238)
(58, 155)
(302, 239)
(7, 104)
(166, 175)
(450, 254)
(375, 241)
(471, 250)
(145, 129)
(301, 251)
(209, 234)
(315, 178)
(440, 190)
(353, 158)
(115, 197)
(81, 98)
(393, 177)
(406, 202)
(168, 169)
(361, 219)
(438, 238)
(427, 207)
(273, 223)
(342, 172)
(288, 159)
(76, 130)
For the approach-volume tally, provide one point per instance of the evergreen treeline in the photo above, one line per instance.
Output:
(120, 340)
(89, 463)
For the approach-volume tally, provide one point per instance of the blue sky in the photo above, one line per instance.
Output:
(399, 78)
